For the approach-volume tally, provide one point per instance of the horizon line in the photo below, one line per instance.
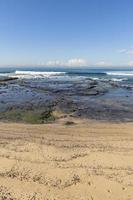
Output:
(58, 66)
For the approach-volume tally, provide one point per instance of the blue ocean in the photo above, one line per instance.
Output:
(114, 74)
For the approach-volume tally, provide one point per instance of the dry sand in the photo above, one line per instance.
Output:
(85, 161)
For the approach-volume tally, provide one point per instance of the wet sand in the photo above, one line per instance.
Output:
(88, 160)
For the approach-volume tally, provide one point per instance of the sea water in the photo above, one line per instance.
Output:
(124, 75)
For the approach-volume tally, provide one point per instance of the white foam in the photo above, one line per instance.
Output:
(94, 78)
(33, 74)
(120, 73)
(112, 79)
(119, 79)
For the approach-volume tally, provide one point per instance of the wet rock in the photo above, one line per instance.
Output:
(5, 79)
(78, 98)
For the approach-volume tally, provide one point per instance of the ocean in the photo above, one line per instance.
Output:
(124, 75)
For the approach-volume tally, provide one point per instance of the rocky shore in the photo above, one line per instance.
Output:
(36, 100)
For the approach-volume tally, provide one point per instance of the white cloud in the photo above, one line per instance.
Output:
(54, 63)
(74, 62)
(102, 63)
(130, 63)
(122, 50)
(126, 51)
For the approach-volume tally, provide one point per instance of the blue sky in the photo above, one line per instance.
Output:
(66, 32)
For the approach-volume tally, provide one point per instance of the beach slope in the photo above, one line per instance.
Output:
(87, 160)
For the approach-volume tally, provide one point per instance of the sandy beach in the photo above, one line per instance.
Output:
(66, 100)
(88, 160)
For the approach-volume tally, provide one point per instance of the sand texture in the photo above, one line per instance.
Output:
(85, 161)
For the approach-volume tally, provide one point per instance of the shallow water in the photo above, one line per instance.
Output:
(85, 92)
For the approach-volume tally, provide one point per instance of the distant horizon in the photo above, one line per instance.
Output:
(67, 67)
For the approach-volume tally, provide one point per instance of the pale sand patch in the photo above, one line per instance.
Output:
(87, 160)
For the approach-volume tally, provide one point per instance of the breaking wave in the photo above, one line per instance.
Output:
(120, 73)
(33, 74)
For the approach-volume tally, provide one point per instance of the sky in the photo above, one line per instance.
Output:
(66, 33)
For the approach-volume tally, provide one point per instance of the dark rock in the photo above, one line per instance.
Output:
(69, 123)
(5, 79)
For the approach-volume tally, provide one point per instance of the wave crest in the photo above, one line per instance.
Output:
(121, 73)
(32, 74)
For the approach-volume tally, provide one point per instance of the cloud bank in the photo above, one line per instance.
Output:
(102, 63)
(74, 62)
